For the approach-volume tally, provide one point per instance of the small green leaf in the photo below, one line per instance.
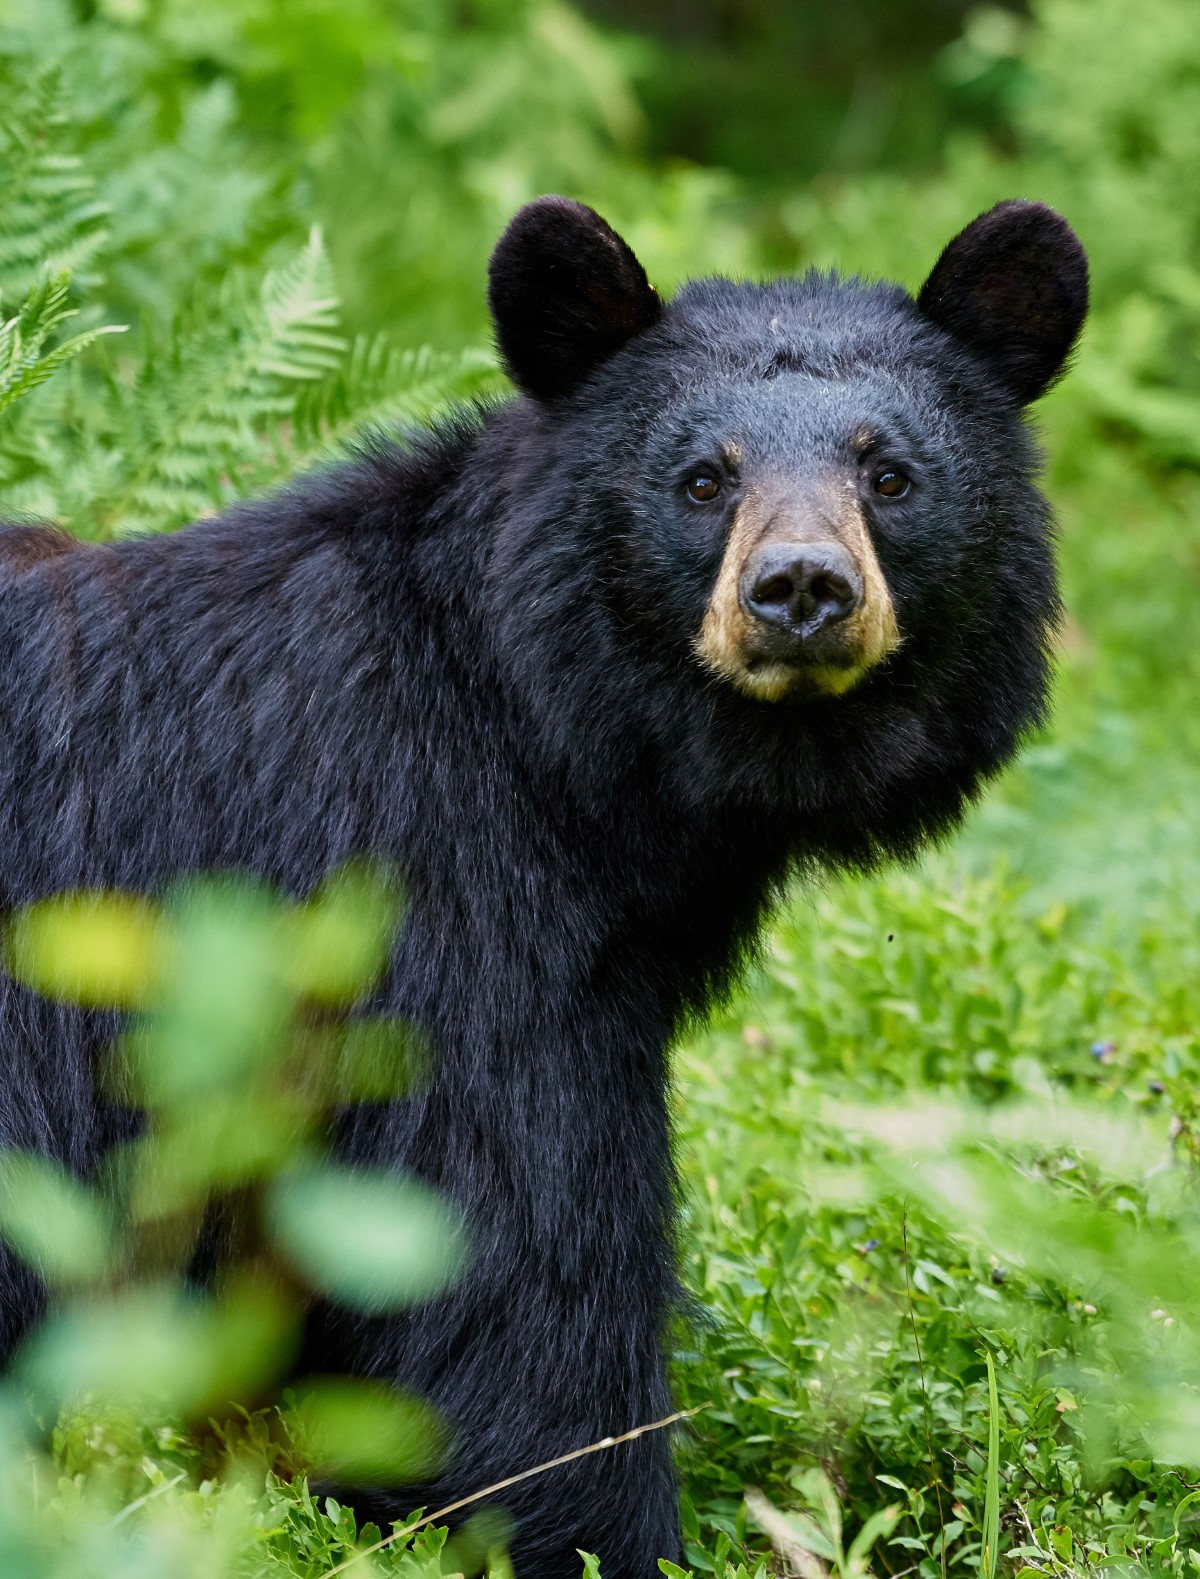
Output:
(1190, 1501)
(158, 1349)
(380, 1060)
(103, 950)
(376, 1240)
(339, 940)
(227, 1005)
(880, 1523)
(890, 1480)
(1062, 1541)
(218, 1141)
(52, 1220)
(367, 1431)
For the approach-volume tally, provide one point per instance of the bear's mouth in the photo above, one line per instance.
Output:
(799, 679)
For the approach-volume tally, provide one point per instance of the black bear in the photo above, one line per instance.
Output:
(750, 582)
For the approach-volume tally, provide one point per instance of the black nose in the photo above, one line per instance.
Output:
(802, 587)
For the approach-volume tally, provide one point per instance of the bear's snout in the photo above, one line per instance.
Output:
(801, 606)
(797, 591)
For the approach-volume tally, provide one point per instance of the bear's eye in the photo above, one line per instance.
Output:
(891, 483)
(703, 488)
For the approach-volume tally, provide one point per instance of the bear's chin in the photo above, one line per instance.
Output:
(769, 680)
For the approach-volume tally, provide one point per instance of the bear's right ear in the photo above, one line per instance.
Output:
(1013, 286)
(565, 293)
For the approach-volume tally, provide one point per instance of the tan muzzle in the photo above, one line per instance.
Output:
(800, 605)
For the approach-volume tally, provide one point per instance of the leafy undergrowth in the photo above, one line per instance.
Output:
(938, 1128)
(125, 1496)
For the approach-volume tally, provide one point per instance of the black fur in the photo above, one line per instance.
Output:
(471, 654)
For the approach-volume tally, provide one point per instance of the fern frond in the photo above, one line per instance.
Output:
(298, 336)
(381, 384)
(251, 383)
(199, 415)
(50, 217)
(24, 364)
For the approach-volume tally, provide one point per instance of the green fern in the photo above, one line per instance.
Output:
(51, 217)
(201, 416)
(382, 385)
(251, 385)
(24, 363)
(251, 381)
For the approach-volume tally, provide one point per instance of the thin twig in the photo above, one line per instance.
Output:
(512, 1480)
(912, 1316)
(1033, 1540)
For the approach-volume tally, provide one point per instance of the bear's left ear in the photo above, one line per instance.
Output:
(1013, 286)
(565, 293)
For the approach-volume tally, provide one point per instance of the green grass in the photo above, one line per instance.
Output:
(892, 1016)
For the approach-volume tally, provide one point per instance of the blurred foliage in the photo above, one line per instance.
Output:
(181, 1275)
(953, 1123)
(785, 93)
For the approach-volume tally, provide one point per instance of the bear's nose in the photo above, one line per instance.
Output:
(802, 587)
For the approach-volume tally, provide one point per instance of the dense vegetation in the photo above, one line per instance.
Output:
(940, 1158)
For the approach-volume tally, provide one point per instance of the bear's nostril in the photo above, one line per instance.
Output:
(774, 589)
(830, 592)
(800, 588)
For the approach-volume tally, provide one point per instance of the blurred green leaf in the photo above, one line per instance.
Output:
(367, 1432)
(226, 1007)
(882, 1522)
(338, 942)
(53, 1221)
(216, 1143)
(103, 950)
(376, 1240)
(160, 1350)
(380, 1060)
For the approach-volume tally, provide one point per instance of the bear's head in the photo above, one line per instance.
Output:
(811, 502)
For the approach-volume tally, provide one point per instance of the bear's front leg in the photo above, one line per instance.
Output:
(621, 1504)
(545, 1122)
(521, 1377)
(509, 1408)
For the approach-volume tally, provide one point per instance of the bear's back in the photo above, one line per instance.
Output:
(207, 700)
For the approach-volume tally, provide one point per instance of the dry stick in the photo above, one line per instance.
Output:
(912, 1316)
(503, 1485)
